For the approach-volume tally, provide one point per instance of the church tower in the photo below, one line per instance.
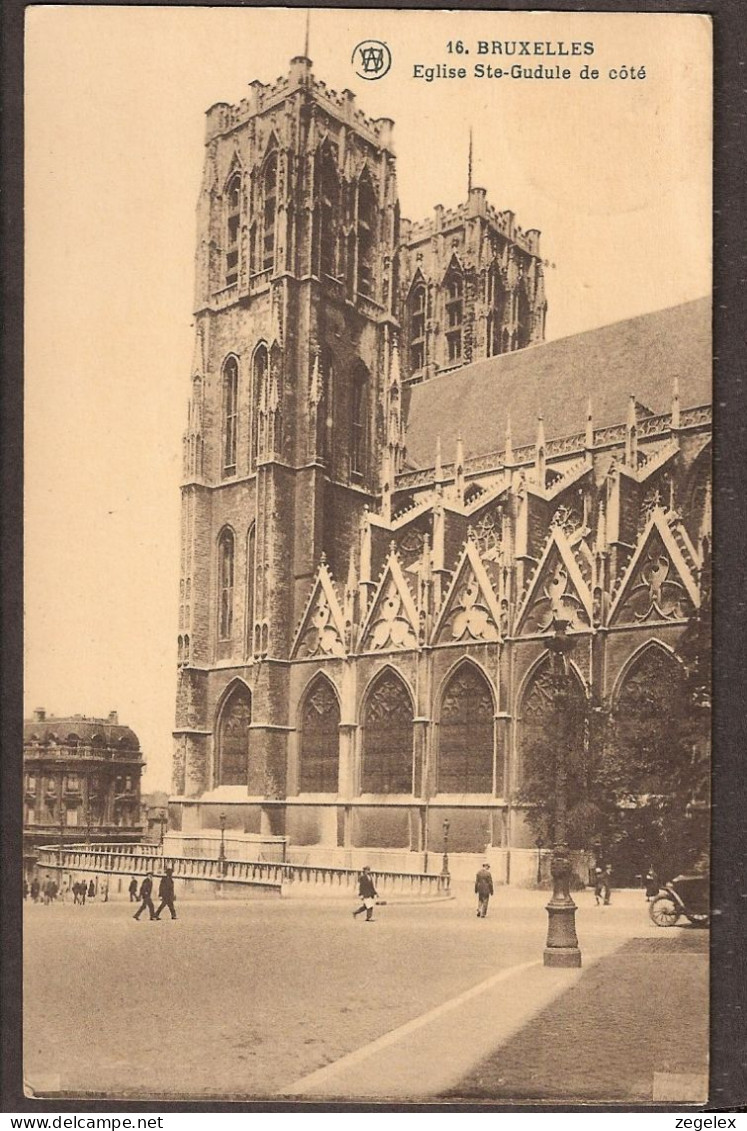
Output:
(294, 386)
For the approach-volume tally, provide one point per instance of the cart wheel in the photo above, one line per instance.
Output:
(664, 911)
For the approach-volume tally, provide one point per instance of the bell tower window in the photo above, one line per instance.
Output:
(328, 213)
(358, 410)
(366, 237)
(230, 414)
(233, 223)
(454, 310)
(417, 329)
(269, 211)
(226, 572)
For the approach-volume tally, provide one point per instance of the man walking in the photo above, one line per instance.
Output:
(483, 890)
(133, 889)
(166, 893)
(146, 891)
(368, 893)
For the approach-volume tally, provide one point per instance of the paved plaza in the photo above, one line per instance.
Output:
(294, 997)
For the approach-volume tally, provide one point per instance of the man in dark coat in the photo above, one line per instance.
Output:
(367, 892)
(166, 893)
(133, 889)
(146, 892)
(483, 890)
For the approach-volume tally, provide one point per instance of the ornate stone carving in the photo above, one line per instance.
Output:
(391, 629)
(656, 592)
(470, 618)
(322, 637)
(557, 600)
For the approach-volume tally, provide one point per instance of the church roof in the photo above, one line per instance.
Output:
(639, 356)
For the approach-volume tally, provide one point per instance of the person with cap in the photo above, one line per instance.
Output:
(146, 900)
(166, 893)
(367, 892)
(483, 890)
(133, 890)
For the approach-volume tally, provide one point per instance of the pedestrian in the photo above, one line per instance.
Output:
(105, 892)
(166, 893)
(483, 890)
(35, 889)
(83, 888)
(133, 889)
(91, 890)
(598, 885)
(146, 892)
(652, 884)
(367, 892)
(607, 884)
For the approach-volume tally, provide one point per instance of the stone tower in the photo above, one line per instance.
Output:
(294, 398)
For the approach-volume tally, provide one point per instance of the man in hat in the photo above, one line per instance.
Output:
(483, 890)
(367, 892)
(166, 893)
(146, 900)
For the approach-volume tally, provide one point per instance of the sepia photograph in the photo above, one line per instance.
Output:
(368, 556)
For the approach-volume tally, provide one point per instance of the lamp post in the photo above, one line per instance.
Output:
(62, 836)
(445, 878)
(540, 846)
(222, 849)
(162, 822)
(561, 948)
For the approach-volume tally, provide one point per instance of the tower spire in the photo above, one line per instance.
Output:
(306, 36)
(469, 164)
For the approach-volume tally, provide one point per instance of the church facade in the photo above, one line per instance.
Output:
(393, 490)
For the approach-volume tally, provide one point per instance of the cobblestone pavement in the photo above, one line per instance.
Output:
(245, 998)
(639, 1012)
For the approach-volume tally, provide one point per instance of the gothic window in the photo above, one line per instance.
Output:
(454, 311)
(552, 706)
(325, 409)
(233, 225)
(269, 210)
(320, 740)
(358, 410)
(496, 317)
(465, 743)
(524, 316)
(328, 197)
(251, 547)
(417, 328)
(230, 414)
(233, 738)
(260, 369)
(225, 574)
(366, 236)
(387, 761)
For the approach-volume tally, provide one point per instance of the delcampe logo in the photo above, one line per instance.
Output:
(372, 59)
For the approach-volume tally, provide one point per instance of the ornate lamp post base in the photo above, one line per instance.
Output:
(562, 947)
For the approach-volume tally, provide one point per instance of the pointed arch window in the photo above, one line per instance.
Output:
(319, 757)
(233, 229)
(358, 414)
(233, 738)
(328, 212)
(230, 414)
(366, 236)
(454, 314)
(269, 210)
(496, 317)
(465, 742)
(260, 369)
(225, 578)
(387, 755)
(524, 318)
(417, 328)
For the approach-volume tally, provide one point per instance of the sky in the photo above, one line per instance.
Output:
(615, 172)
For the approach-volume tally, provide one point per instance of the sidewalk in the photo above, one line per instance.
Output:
(630, 1026)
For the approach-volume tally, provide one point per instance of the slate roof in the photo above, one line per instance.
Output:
(555, 379)
(60, 729)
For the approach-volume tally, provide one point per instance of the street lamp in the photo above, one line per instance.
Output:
(162, 822)
(540, 846)
(561, 948)
(445, 865)
(62, 836)
(223, 867)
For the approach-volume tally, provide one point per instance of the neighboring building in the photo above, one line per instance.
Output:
(154, 815)
(81, 782)
(363, 628)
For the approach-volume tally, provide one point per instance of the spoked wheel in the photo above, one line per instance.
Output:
(664, 911)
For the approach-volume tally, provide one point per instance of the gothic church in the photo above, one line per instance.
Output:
(393, 485)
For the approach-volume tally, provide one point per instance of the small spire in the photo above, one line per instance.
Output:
(676, 402)
(469, 164)
(589, 441)
(631, 437)
(508, 456)
(459, 470)
(539, 460)
(439, 471)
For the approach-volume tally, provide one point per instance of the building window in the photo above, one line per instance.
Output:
(366, 236)
(465, 735)
(454, 310)
(225, 570)
(417, 329)
(524, 319)
(73, 782)
(71, 817)
(269, 210)
(496, 317)
(230, 414)
(251, 547)
(328, 197)
(387, 761)
(318, 769)
(260, 369)
(233, 226)
(233, 738)
(358, 410)
(31, 784)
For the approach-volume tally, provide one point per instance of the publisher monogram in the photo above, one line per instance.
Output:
(372, 59)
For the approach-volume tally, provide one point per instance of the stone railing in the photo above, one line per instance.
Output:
(122, 860)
